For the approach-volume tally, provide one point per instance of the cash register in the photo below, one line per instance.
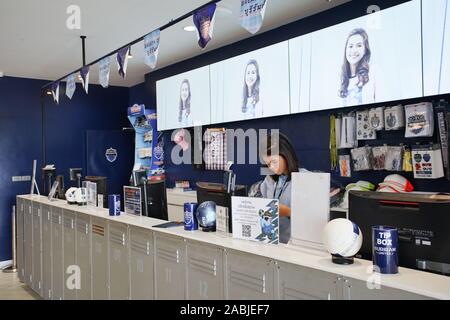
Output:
(422, 220)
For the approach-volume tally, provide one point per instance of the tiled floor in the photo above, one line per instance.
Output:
(12, 289)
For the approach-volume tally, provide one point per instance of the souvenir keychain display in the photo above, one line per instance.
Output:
(394, 118)
(379, 157)
(419, 120)
(427, 162)
(362, 158)
(407, 160)
(364, 130)
(348, 132)
(442, 116)
(394, 159)
(344, 166)
(376, 118)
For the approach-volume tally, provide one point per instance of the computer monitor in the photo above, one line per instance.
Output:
(102, 188)
(216, 192)
(156, 200)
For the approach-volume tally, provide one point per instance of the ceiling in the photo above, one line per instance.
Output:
(35, 42)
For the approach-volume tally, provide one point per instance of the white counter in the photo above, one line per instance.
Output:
(413, 281)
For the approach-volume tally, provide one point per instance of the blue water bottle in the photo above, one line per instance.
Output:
(384, 249)
(190, 219)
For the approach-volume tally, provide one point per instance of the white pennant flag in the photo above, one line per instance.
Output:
(70, 85)
(55, 92)
(151, 46)
(252, 14)
(84, 73)
(103, 72)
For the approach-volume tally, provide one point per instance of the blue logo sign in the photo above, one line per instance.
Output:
(111, 155)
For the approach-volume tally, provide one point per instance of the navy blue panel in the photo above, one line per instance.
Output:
(67, 123)
(117, 172)
(20, 143)
(65, 135)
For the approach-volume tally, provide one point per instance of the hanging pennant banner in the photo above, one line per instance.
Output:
(103, 72)
(55, 91)
(70, 85)
(151, 46)
(204, 22)
(84, 73)
(252, 14)
(122, 61)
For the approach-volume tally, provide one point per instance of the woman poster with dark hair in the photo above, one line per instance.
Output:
(184, 110)
(251, 100)
(357, 77)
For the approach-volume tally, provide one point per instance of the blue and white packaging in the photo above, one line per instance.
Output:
(114, 204)
(190, 218)
(384, 249)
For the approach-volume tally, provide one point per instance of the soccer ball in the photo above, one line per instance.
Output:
(342, 237)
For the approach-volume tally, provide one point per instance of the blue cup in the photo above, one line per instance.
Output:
(190, 218)
(384, 249)
(114, 204)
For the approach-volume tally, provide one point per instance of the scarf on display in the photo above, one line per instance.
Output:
(122, 61)
(70, 85)
(215, 149)
(103, 72)
(84, 73)
(151, 46)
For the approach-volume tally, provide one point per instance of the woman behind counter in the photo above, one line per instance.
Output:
(281, 160)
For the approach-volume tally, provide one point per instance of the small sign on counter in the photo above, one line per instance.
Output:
(132, 200)
(255, 219)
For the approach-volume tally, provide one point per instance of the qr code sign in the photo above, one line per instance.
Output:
(246, 230)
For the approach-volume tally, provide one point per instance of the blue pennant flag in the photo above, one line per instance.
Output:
(204, 22)
(122, 61)
(55, 91)
(84, 73)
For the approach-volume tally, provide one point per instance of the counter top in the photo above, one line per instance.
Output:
(414, 281)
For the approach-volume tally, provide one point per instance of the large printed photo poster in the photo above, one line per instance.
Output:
(359, 62)
(184, 100)
(252, 85)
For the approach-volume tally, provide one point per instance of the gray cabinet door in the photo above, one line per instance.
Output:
(28, 242)
(100, 276)
(57, 254)
(170, 267)
(249, 276)
(20, 239)
(300, 283)
(141, 264)
(360, 290)
(46, 218)
(205, 275)
(83, 255)
(119, 273)
(71, 275)
(37, 249)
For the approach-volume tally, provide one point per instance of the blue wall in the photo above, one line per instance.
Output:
(65, 127)
(20, 143)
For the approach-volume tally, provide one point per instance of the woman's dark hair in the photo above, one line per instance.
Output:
(362, 70)
(188, 101)
(255, 89)
(279, 144)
